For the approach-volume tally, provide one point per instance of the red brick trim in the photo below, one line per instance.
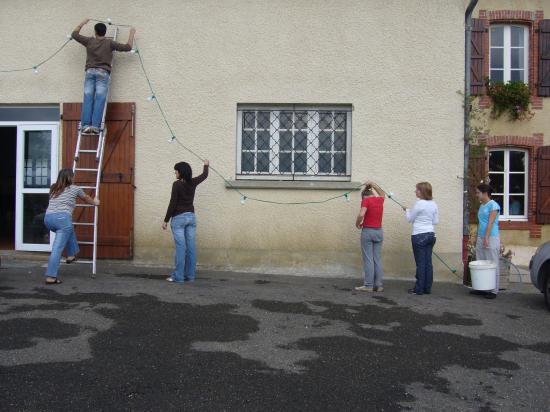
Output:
(529, 143)
(532, 20)
(511, 15)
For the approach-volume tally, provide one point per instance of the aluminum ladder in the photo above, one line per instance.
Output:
(93, 191)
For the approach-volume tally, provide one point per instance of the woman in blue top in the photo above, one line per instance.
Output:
(488, 240)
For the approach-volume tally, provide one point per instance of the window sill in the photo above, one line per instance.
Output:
(292, 185)
(514, 224)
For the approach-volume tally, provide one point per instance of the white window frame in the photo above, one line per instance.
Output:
(312, 125)
(20, 190)
(505, 213)
(507, 51)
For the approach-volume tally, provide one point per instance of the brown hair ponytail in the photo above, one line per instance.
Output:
(64, 180)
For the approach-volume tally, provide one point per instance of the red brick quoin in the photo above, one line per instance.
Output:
(529, 143)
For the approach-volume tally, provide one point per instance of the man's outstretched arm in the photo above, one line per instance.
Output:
(126, 47)
(76, 33)
(131, 37)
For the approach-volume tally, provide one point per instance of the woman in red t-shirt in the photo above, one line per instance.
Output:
(369, 221)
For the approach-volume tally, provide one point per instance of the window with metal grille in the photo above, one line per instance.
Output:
(293, 142)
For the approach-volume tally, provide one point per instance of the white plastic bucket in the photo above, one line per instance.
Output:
(483, 274)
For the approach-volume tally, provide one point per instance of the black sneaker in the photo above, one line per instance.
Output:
(412, 291)
(490, 296)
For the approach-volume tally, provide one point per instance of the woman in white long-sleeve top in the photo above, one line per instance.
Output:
(424, 216)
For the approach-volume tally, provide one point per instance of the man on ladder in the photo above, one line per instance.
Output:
(99, 55)
(96, 91)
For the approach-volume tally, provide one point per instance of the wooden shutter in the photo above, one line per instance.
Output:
(479, 33)
(544, 59)
(543, 185)
(116, 213)
(477, 173)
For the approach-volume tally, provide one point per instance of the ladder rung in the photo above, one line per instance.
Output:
(84, 205)
(80, 169)
(87, 151)
(85, 243)
(85, 261)
(83, 224)
(87, 187)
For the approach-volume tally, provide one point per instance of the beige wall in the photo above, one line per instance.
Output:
(399, 63)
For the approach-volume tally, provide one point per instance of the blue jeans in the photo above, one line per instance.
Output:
(62, 225)
(371, 248)
(184, 229)
(96, 87)
(423, 245)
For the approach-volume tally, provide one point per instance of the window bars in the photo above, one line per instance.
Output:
(294, 144)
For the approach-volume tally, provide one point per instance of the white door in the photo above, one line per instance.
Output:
(36, 171)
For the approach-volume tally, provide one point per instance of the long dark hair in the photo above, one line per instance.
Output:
(184, 170)
(64, 180)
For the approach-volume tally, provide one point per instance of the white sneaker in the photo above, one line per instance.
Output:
(87, 130)
(364, 289)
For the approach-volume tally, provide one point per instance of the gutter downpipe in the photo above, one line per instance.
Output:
(467, 83)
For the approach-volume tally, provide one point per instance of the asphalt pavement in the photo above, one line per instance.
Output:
(129, 340)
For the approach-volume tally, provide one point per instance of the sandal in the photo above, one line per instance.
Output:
(54, 282)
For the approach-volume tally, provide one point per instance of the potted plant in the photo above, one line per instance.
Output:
(511, 97)
(472, 238)
(504, 267)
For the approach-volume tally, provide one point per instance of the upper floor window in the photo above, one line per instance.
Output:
(509, 53)
(294, 142)
(508, 170)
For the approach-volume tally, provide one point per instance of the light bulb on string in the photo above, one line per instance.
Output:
(69, 36)
(35, 70)
(171, 139)
(109, 21)
(151, 98)
(390, 195)
(243, 200)
(346, 197)
(134, 51)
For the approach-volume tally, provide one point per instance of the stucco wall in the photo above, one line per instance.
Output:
(399, 63)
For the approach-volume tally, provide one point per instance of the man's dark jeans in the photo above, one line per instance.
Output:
(423, 245)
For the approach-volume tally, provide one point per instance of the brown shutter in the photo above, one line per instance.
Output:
(477, 167)
(116, 213)
(544, 59)
(477, 59)
(543, 185)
